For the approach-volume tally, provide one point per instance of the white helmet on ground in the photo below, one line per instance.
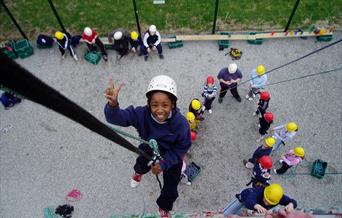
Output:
(117, 35)
(232, 68)
(163, 83)
(152, 29)
(88, 31)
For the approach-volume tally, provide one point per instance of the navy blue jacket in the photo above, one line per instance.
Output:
(259, 174)
(173, 137)
(259, 152)
(251, 196)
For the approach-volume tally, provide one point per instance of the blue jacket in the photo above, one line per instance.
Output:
(259, 152)
(256, 80)
(259, 174)
(173, 137)
(251, 196)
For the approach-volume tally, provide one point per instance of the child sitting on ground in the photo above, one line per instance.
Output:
(292, 158)
(209, 93)
(196, 108)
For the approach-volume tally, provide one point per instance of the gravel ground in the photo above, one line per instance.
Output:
(44, 155)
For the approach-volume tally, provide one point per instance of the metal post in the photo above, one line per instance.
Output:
(291, 16)
(56, 15)
(13, 19)
(136, 16)
(215, 16)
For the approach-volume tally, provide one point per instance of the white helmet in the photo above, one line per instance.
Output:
(152, 29)
(232, 68)
(88, 31)
(162, 83)
(117, 35)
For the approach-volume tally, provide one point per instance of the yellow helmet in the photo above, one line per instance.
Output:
(196, 104)
(270, 141)
(134, 35)
(190, 116)
(299, 151)
(59, 35)
(291, 127)
(273, 194)
(260, 70)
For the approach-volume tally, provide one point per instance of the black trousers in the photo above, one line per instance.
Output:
(284, 167)
(99, 43)
(171, 177)
(208, 102)
(233, 90)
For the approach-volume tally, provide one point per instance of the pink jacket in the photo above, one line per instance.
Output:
(291, 159)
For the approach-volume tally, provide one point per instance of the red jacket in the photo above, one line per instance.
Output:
(89, 39)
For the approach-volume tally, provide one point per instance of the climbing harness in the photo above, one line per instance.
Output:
(234, 53)
(291, 62)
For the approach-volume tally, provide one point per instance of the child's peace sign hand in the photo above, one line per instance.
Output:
(112, 92)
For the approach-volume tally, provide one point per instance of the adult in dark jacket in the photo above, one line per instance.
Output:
(120, 39)
(229, 78)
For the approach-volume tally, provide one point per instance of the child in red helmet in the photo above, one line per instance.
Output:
(263, 103)
(265, 122)
(261, 172)
(209, 93)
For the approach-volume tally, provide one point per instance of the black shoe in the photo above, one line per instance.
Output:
(139, 54)
(105, 58)
(145, 58)
(220, 100)
(238, 99)
(161, 56)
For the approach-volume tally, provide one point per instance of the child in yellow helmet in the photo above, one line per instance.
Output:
(135, 41)
(196, 108)
(63, 40)
(262, 150)
(283, 133)
(292, 158)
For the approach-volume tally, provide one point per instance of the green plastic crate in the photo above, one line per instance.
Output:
(256, 41)
(176, 44)
(23, 48)
(10, 54)
(318, 168)
(92, 57)
(223, 43)
(326, 38)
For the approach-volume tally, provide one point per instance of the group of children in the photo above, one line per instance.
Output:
(120, 40)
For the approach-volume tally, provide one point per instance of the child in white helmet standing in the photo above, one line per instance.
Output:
(209, 93)
(161, 120)
(283, 133)
(292, 158)
(151, 41)
(229, 78)
(257, 82)
(92, 39)
(120, 39)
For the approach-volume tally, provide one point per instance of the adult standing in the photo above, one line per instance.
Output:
(229, 78)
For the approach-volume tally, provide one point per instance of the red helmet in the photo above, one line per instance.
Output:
(265, 162)
(264, 96)
(268, 116)
(193, 136)
(210, 79)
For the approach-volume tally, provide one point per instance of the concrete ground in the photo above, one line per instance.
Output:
(44, 155)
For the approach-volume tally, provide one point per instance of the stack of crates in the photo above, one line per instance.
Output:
(8, 51)
(256, 41)
(92, 57)
(176, 44)
(223, 43)
(23, 48)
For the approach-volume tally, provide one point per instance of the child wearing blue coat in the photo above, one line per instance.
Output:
(161, 120)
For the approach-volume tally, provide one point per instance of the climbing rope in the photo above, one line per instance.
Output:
(291, 62)
(302, 77)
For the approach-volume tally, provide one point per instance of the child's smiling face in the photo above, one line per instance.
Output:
(161, 106)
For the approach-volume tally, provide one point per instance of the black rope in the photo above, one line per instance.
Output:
(159, 182)
(18, 79)
(302, 77)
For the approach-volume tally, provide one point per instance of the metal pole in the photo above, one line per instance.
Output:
(56, 15)
(13, 19)
(136, 16)
(291, 16)
(215, 16)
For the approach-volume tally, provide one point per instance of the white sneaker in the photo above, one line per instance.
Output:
(135, 181)
(247, 96)
(281, 161)
(255, 114)
(249, 165)
(275, 171)
(210, 111)
(203, 108)
(250, 99)
(75, 57)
